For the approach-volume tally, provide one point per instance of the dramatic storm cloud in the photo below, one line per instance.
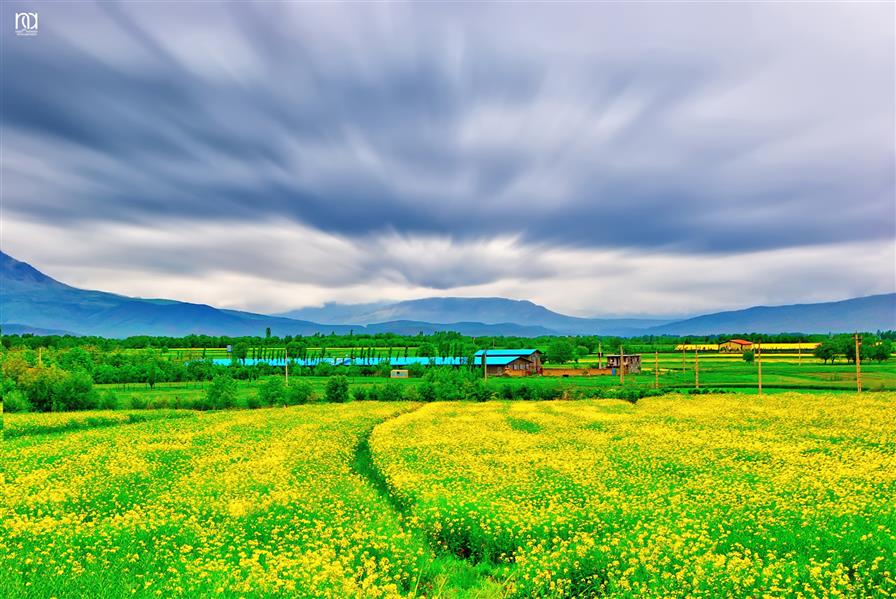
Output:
(600, 158)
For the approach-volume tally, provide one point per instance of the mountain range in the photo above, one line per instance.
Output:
(31, 301)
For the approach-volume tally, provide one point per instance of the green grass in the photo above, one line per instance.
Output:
(724, 372)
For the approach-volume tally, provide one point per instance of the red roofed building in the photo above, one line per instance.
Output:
(735, 345)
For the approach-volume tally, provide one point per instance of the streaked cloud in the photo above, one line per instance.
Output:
(560, 153)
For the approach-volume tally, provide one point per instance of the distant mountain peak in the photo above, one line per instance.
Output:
(12, 270)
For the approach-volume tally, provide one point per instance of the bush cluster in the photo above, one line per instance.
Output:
(51, 390)
(534, 391)
(273, 392)
(450, 384)
(386, 392)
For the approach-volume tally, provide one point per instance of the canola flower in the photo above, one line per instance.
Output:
(709, 496)
(235, 504)
(40, 423)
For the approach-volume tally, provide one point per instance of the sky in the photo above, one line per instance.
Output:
(596, 158)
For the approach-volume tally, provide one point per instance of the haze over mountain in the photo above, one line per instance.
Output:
(489, 310)
(30, 301)
(29, 298)
(871, 313)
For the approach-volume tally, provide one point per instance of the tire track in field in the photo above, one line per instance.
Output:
(462, 577)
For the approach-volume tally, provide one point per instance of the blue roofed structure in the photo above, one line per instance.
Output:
(498, 362)
(514, 362)
(507, 352)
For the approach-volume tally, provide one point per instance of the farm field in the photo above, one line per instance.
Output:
(711, 495)
(234, 504)
(780, 374)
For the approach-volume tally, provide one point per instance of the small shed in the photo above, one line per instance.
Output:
(398, 373)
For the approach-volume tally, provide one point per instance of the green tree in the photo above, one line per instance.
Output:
(560, 351)
(749, 356)
(240, 351)
(581, 352)
(426, 350)
(74, 392)
(221, 393)
(827, 350)
(337, 389)
(272, 392)
(881, 351)
(296, 349)
(299, 392)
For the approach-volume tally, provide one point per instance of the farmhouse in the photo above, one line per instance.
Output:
(735, 345)
(632, 363)
(509, 362)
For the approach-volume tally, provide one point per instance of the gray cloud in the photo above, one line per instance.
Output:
(695, 129)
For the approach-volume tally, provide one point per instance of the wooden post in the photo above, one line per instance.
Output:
(484, 366)
(600, 354)
(621, 365)
(759, 363)
(286, 357)
(697, 368)
(684, 360)
(40, 357)
(858, 365)
(799, 352)
(656, 369)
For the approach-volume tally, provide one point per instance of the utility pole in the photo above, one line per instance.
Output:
(600, 354)
(684, 359)
(286, 357)
(621, 365)
(697, 368)
(484, 366)
(799, 352)
(858, 365)
(40, 357)
(759, 364)
(656, 369)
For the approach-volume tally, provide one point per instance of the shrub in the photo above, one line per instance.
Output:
(221, 393)
(479, 391)
(272, 392)
(74, 392)
(38, 385)
(108, 400)
(158, 403)
(138, 402)
(449, 384)
(15, 401)
(549, 392)
(337, 389)
(299, 392)
(361, 394)
(391, 392)
(324, 369)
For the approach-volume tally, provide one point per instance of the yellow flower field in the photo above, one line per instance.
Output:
(254, 503)
(713, 496)
(679, 496)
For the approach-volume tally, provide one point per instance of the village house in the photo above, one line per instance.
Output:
(632, 363)
(736, 346)
(509, 362)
